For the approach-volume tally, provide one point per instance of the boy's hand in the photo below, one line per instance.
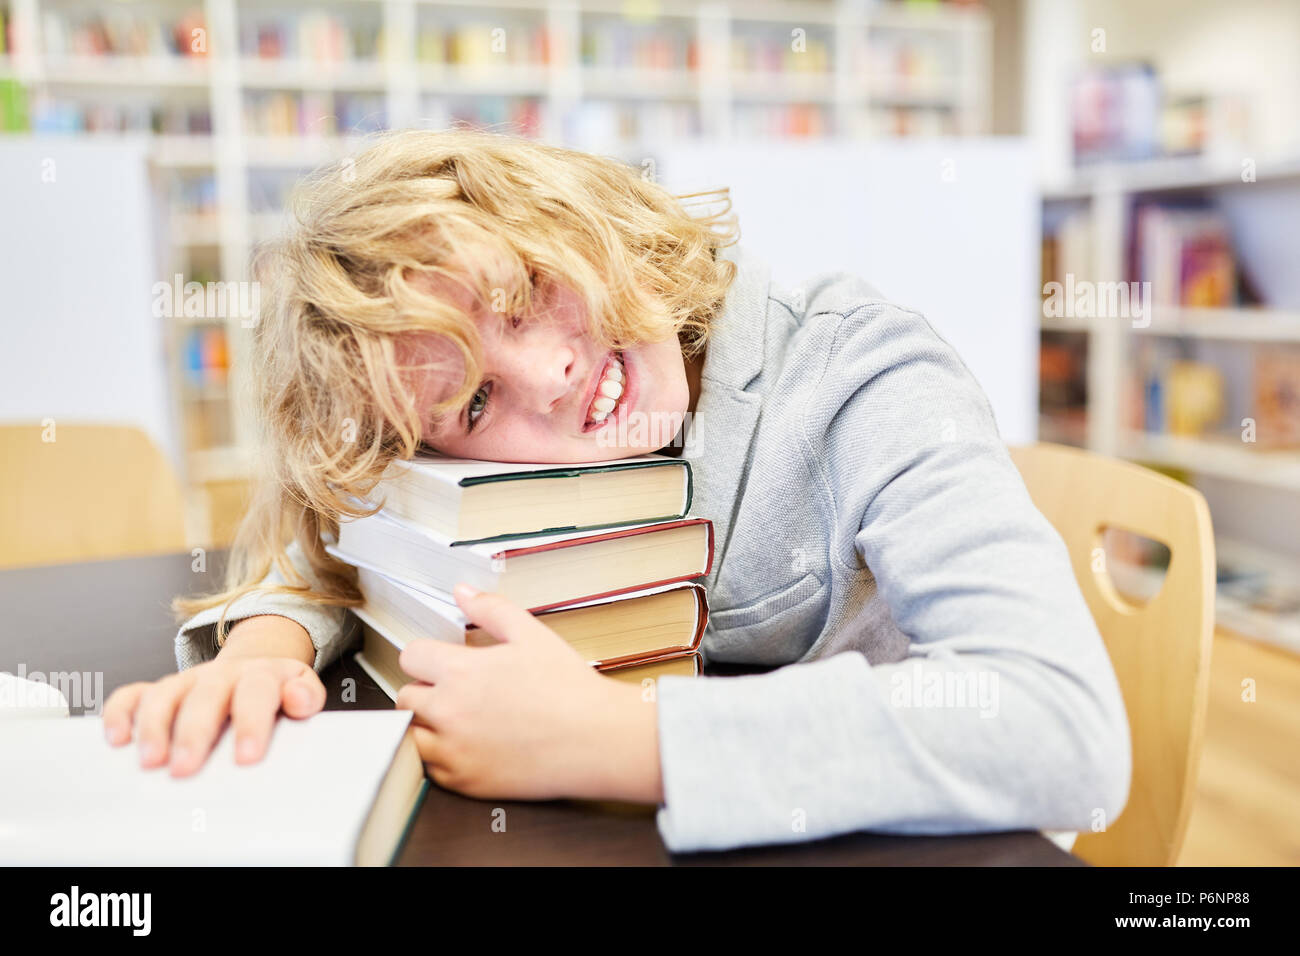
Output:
(528, 718)
(184, 713)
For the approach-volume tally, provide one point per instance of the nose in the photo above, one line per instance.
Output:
(546, 375)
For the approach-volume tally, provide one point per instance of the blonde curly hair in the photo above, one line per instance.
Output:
(333, 404)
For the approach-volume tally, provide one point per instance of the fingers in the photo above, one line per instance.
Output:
(417, 697)
(199, 720)
(427, 659)
(496, 614)
(426, 741)
(119, 712)
(184, 713)
(253, 709)
(154, 716)
(260, 695)
(303, 694)
(432, 753)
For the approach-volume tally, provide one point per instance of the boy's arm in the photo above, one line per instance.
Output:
(323, 626)
(982, 585)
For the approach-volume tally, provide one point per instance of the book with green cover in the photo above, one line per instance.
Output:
(13, 106)
(471, 501)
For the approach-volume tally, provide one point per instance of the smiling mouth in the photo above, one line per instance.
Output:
(611, 393)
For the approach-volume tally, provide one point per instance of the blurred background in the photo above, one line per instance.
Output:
(1095, 201)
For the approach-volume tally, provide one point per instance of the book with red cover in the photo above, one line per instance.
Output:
(380, 658)
(539, 572)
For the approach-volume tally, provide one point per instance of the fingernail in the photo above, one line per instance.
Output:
(246, 749)
(150, 753)
(466, 591)
(180, 757)
(113, 732)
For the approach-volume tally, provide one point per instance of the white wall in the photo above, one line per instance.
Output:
(78, 340)
(949, 228)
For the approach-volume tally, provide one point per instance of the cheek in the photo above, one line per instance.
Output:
(663, 376)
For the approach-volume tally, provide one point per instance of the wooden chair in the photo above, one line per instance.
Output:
(1160, 650)
(95, 491)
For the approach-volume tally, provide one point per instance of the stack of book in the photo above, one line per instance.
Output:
(603, 554)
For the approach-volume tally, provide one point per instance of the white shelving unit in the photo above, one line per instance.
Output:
(1221, 459)
(1227, 325)
(1108, 191)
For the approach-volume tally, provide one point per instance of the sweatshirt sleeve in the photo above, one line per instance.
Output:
(196, 639)
(1005, 712)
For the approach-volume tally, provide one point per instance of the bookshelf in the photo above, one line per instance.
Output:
(239, 100)
(1108, 196)
(1225, 336)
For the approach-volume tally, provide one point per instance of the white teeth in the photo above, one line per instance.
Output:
(608, 392)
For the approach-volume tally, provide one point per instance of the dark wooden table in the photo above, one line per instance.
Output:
(112, 618)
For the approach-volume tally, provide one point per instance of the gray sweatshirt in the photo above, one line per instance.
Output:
(872, 532)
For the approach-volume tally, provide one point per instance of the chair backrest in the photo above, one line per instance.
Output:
(82, 492)
(1160, 650)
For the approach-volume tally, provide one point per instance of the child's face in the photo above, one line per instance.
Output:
(539, 380)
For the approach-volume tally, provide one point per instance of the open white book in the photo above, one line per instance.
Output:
(338, 788)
